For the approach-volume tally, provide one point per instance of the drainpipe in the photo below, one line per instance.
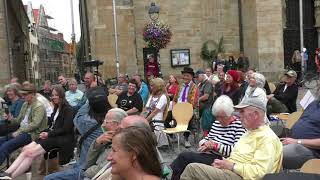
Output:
(240, 25)
(8, 37)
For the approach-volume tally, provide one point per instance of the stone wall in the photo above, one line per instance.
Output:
(102, 36)
(192, 23)
(4, 56)
(263, 35)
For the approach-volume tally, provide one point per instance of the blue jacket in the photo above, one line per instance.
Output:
(144, 92)
(83, 122)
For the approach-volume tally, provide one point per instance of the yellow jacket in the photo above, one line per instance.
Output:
(257, 153)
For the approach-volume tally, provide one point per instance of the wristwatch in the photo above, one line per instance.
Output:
(299, 141)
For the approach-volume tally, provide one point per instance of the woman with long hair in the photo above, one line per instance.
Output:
(134, 155)
(157, 108)
(230, 87)
(172, 87)
(58, 135)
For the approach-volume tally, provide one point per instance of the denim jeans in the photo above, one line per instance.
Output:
(12, 144)
(74, 173)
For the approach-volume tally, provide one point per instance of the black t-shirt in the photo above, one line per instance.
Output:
(126, 102)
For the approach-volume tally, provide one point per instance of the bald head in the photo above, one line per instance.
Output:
(134, 120)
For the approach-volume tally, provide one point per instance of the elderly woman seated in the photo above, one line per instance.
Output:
(256, 88)
(225, 132)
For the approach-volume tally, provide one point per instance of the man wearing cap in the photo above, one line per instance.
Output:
(32, 120)
(187, 93)
(286, 93)
(205, 90)
(258, 151)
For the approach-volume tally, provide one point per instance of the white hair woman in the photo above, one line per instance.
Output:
(224, 133)
(255, 88)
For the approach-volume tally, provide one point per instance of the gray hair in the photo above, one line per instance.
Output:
(223, 103)
(261, 80)
(118, 114)
(72, 80)
(141, 125)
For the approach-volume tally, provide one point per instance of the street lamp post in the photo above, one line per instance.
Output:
(115, 36)
(153, 12)
(301, 38)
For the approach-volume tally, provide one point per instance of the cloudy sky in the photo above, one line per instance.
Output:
(61, 12)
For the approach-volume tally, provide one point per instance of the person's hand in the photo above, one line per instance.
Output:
(286, 141)
(223, 164)
(105, 137)
(5, 116)
(270, 96)
(43, 135)
(208, 145)
(15, 134)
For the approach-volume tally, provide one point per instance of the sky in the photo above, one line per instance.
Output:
(61, 12)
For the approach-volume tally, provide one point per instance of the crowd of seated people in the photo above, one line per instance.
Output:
(231, 106)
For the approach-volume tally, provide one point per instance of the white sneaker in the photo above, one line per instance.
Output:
(187, 144)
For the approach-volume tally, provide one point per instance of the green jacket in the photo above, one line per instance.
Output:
(38, 120)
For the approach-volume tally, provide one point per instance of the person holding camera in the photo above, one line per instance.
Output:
(15, 99)
(32, 120)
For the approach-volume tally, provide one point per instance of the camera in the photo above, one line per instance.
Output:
(4, 105)
(91, 63)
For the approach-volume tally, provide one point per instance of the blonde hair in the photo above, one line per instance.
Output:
(159, 85)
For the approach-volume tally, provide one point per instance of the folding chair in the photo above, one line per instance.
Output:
(112, 98)
(182, 113)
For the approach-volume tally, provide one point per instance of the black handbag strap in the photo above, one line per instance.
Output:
(85, 135)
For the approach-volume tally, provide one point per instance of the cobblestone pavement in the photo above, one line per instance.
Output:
(169, 154)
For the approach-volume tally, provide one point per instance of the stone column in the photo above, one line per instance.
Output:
(317, 17)
(263, 36)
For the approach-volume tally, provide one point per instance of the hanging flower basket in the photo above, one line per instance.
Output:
(157, 35)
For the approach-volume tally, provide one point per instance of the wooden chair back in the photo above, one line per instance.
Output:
(182, 113)
(293, 118)
(112, 98)
(272, 86)
(311, 166)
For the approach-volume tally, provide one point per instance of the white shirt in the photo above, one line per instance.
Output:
(159, 104)
(25, 121)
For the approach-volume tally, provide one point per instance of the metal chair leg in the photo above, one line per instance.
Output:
(178, 142)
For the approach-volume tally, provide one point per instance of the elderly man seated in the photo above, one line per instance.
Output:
(304, 143)
(285, 96)
(129, 121)
(258, 151)
(96, 157)
(224, 133)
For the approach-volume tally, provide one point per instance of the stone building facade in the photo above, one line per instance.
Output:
(14, 41)
(253, 26)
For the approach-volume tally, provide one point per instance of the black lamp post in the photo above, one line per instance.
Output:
(154, 11)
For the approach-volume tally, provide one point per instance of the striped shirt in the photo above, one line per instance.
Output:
(226, 136)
